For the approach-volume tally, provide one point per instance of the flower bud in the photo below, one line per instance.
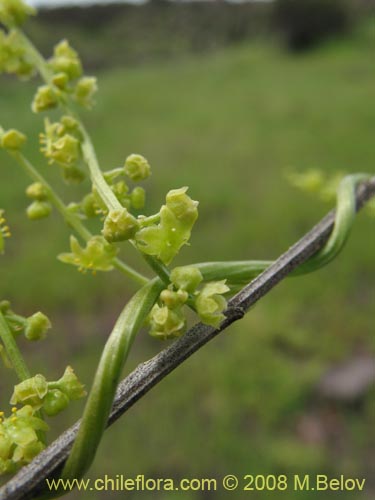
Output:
(45, 98)
(186, 278)
(137, 197)
(121, 190)
(166, 323)
(60, 80)
(30, 392)
(119, 225)
(55, 402)
(70, 385)
(137, 167)
(173, 299)
(73, 175)
(13, 140)
(210, 304)
(38, 210)
(89, 206)
(37, 326)
(37, 191)
(15, 12)
(65, 60)
(85, 90)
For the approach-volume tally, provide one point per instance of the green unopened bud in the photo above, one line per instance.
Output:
(85, 90)
(65, 60)
(73, 175)
(60, 80)
(138, 197)
(37, 191)
(55, 402)
(119, 225)
(137, 167)
(166, 323)
(89, 206)
(45, 98)
(186, 278)
(173, 299)
(30, 392)
(15, 12)
(210, 304)
(37, 326)
(70, 385)
(38, 210)
(13, 140)
(121, 190)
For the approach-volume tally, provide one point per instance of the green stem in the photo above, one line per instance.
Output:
(71, 219)
(12, 350)
(242, 272)
(102, 393)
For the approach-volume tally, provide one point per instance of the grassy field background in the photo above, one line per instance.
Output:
(227, 125)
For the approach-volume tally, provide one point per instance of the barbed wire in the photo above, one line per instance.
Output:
(30, 482)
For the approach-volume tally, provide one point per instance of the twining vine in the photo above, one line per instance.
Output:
(116, 200)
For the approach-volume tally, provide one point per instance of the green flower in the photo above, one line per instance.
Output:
(98, 255)
(138, 197)
(37, 326)
(44, 99)
(13, 56)
(119, 225)
(166, 323)
(85, 91)
(37, 191)
(61, 142)
(19, 441)
(177, 218)
(30, 392)
(12, 139)
(65, 60)
(38, 210)
(70, 385)
(137, 167)
(210, 304)
(15, 12)
(186, 278)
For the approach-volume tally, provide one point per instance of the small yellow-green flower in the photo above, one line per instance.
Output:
(119, 225)
(15, 12)
(211, 304)
(166, 323)
(65, 60)
(137, 167)
(98, 255)
(44, 99)
(177, 218)
(85, 91)
(12, 139)
(19, 440)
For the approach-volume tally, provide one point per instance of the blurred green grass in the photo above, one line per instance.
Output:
(226, 125)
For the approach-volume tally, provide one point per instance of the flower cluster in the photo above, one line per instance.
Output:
(61, 144)
(52, 397)
(167, 319)
(15, 12)
(19, 438)
(67, 80)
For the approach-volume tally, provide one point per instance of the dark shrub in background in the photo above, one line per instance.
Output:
(305, 23)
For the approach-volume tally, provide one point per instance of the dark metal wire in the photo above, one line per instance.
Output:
(30, 481)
